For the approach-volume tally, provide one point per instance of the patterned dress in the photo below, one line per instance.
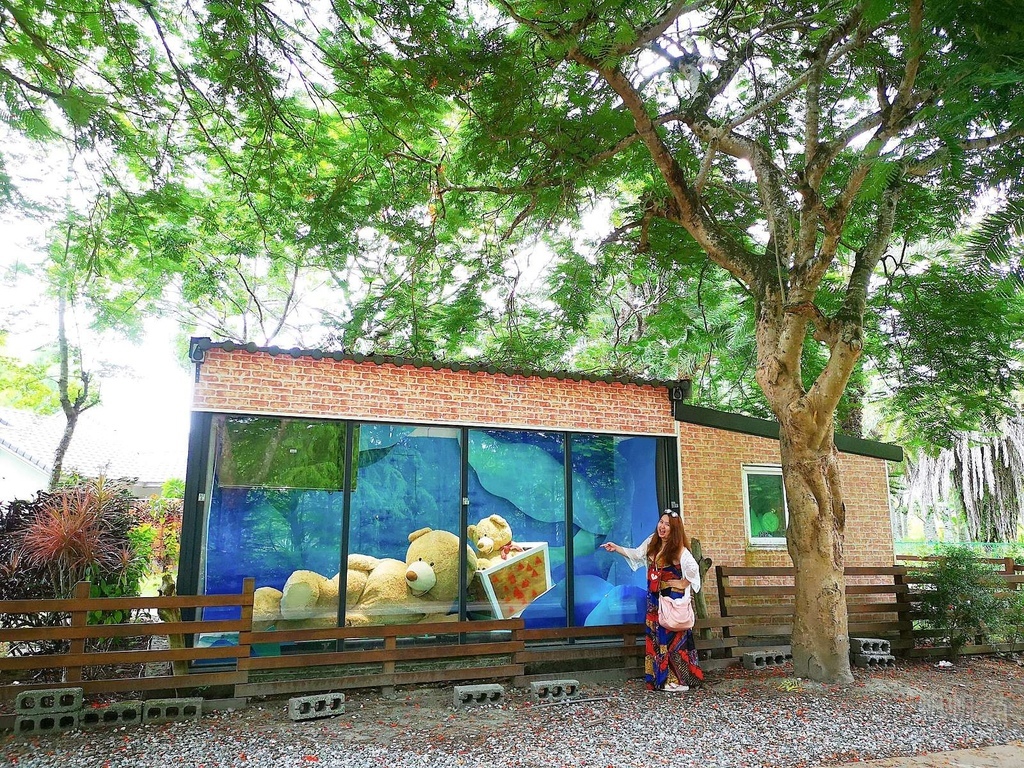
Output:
(671, 657)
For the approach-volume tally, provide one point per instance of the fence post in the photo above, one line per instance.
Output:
(904, 614)
(700, 604)
(722, 583)
(79, 618)
(245, 632)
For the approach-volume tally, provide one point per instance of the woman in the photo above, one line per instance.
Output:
(671, 657)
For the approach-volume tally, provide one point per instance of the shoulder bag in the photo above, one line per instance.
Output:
(676, 613)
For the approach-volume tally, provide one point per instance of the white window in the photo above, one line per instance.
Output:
(764, 504)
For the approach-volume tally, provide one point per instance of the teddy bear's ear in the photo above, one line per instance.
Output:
(498, 520)
(416, 534)
(471, 531)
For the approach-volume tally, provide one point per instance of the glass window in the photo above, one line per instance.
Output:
(517, 526)
(275, 505)
(614, 499)
(407, 483)
(764, 499)
(277, 512)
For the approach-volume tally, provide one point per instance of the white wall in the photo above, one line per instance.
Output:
(19, 479)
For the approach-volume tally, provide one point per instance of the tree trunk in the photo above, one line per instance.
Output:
(62, 448)
(72, 408)
(814, 536)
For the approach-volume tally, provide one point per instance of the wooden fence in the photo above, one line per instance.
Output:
(337, 658)
(758, 605)
(756, 608)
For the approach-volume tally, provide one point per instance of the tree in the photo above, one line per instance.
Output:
(783, 142)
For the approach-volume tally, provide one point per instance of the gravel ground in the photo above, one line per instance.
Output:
(738, 720)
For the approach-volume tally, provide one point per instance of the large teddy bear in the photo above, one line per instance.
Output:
(492, 538)
(378, 591)
(423, 588)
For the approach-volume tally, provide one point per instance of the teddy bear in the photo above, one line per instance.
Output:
(492, 538)
(422, 588)
(266, 608)
(309, 600)
(377, 590)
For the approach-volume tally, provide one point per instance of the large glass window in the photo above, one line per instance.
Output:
(764, 500)
(275, 503)
(517, 501)
(614, 499)
(407, 484)
(429, 528)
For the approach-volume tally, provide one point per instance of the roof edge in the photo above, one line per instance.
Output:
(748, 425)
(21, 453)
(678, 389)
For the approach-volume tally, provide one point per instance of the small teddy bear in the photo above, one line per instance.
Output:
(492, 538)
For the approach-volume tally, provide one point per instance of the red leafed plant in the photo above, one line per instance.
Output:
(78, 533)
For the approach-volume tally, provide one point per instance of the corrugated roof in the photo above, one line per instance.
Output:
(106, 441)
(199, 345)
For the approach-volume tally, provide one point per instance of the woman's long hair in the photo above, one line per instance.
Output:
(674, 543)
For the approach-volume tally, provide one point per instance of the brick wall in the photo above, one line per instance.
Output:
(242, 382)
(712, 479)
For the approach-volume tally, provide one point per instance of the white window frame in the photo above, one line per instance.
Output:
(762, 542)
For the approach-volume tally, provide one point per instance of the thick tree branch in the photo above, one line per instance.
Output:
(915, 52)
(651, 32)
(720, 247)
(936, 159)
(826, 391)
(770, 178)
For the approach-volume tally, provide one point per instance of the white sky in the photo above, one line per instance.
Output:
(150, 380)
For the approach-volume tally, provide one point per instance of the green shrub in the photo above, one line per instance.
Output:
(959, 597)
(157, 523)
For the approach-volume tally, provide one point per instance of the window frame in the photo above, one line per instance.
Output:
(762, 542)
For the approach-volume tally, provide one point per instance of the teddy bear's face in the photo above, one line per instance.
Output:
(491, 534)
(432, 565)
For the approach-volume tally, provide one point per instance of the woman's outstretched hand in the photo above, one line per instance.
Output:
(609, 546)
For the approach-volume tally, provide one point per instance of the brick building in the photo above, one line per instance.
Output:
(299, 459)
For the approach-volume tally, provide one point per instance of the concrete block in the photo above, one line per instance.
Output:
(48, 701)
(874, 660)
(313, 707)
(486, 693)
(171, 710)
(869, 645)
(767, 658)
(110, 715)
(555, 690)
(44, 723)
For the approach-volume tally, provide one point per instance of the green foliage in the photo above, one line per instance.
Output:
(946, 340)
(959, 597)
(26, 385)
(1013, 618)
(156, 534)
(173, 488)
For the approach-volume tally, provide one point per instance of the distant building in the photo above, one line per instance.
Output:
(117, 445)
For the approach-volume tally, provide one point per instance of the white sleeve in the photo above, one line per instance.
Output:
(637, 556)
(691, 571)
